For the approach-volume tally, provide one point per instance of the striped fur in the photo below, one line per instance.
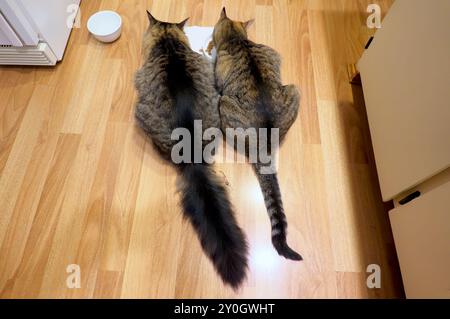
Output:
(175, 87)
(248, 77)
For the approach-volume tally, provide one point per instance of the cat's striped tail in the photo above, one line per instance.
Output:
(205, 203)
(274, 205)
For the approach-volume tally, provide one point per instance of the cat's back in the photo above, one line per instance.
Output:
(173, 77)
(153, 75)
(267, 60)
(249, 63)
(172, 67)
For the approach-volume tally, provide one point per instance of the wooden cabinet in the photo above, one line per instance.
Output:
(405, 75)
(422, 239)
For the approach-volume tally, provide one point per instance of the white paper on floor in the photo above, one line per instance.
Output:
(199, 39)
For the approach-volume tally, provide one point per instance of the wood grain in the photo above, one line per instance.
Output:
(80, 183)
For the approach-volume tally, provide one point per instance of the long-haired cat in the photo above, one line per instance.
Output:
(175, 87)
(248, 76)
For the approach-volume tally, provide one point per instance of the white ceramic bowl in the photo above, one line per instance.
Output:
(105, 26)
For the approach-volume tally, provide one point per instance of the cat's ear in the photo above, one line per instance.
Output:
(182, 23)
(248, 23)
(151, 18)
(223, 14)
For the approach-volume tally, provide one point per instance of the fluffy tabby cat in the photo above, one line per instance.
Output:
(248, 77)
(175, 87)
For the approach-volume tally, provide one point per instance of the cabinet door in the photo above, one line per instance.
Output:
(405, 74)
(421, 231)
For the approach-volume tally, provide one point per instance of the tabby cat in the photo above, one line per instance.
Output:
(248, 77)
(175, 87)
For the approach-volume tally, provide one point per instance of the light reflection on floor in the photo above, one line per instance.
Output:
(264, 258)
(253, 193)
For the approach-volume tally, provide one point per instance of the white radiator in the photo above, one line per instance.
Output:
(32, 55)
(35, 32)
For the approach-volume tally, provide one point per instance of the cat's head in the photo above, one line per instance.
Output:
(226, 28)
(158, 29)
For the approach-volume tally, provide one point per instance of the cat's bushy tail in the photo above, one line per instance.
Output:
(274, 205)
(205, 203)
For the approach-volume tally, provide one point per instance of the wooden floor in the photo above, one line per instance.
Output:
(80, 184)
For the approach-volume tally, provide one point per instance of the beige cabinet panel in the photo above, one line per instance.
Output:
(422, 238)
(405, 74)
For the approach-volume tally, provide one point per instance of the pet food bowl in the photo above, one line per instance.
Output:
(105, 26)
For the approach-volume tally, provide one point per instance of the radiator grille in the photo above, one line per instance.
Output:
(38, 55)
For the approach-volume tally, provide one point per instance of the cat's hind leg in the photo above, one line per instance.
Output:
(290, 102)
